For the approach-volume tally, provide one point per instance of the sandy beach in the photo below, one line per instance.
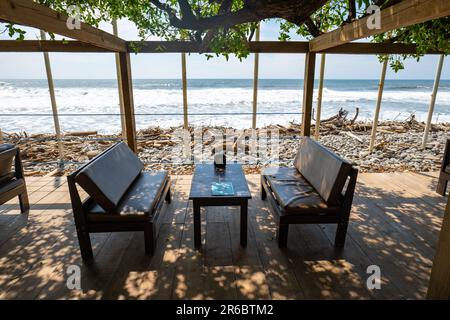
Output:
(397, 147)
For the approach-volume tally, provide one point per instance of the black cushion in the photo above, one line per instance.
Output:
(6, 161)
(12, 184)
(295, 195)
(7, 177)
(107, 178)
(139, 201)
(6, 146)
(323, 169)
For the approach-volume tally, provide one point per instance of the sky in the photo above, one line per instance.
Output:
(168, 66)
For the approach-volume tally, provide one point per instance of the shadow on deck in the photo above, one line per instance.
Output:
(395, 223)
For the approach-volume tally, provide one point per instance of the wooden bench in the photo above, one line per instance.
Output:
(318, 189)
(121, 197)
(12, 181)
(444, 174)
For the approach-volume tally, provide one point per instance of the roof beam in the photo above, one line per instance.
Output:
(29, 13)
(403, 14)
(192, 47)
(48, 46)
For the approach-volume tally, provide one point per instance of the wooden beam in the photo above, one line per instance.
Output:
(308, 91)
(375, 48)
(128, 103)
(255, 81)
(51, 89)
(119, 85)
(378, 106)
(319, 97)
(48, 46)
(178, 46)
(439, 286)
(402, 14)
(432, 101)
(193, 47)
(32, 14)
(184, 84)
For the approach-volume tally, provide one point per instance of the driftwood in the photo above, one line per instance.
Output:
(80, 133)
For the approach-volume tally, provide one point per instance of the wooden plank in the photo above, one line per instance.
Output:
(128, 102)
(32, 14)
(194, 47)
(375, 48)
(48, 46)
(432, 101)
(319, 96)
(119, 85)
(402, 14)
(394, 220)
(187, 47)
(308, 91)
(51, 89)
(378, 106)
(184, 85)
(255, 79)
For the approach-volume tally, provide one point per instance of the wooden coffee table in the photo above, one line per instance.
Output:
(201, 195)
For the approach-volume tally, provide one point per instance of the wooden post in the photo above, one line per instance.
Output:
(184, 84)
(308, 91)
(119, 84)
(433, 101)
(319, 97)
(51, 88)
(255, 80)
(439, 286)
(128, 103)
(378, 106)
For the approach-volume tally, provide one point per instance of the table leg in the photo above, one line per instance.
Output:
(197, 225)
(244, 214)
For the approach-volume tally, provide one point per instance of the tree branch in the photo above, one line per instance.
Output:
(186, 11)
(351, 10)
(312, 28)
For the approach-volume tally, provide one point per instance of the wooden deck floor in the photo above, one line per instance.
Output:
(394, 224)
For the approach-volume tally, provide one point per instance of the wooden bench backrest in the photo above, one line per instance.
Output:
(323, 169)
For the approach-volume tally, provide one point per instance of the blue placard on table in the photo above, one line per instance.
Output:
(222, 189)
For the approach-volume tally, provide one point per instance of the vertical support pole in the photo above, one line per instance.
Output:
(51, 88)
(319, 97)
(378, 106)
(184, 84)
(255, 79)
(433, 101)
(128, 103)
(119, 84)
(1, 135)
(308, 91)
(439, 286)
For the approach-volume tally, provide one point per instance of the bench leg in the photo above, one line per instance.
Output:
(282, 235)
(149, 239)
(24, 203)
(168, 196)
(341, 234)
(263, 192)
(441, 186)
(84, 241)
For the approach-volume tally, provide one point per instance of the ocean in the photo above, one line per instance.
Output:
(93, 105)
